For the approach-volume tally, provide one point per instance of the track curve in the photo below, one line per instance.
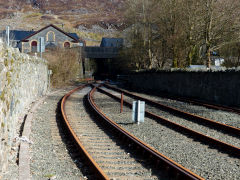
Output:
(211, 123)
(173, 169)
(225, 147)
(100, 174)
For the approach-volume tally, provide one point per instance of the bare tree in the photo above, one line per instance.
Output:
(219, 25)
(179, 29)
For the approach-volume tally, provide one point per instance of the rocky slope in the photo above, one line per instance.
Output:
(90, 19)
(78, 12)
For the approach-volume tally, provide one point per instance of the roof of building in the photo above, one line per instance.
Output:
(17, 35)
(74, 35)
(24, 35)
(111, 42)
(51, 25)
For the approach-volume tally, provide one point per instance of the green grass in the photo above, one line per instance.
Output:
(32, 15)
(49, 175)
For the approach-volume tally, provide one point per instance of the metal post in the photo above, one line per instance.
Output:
(138, 112)
(41, 45)
(7, 33)
(121, 102)
(49, 82)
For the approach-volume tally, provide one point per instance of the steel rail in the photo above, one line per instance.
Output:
(202, 103)
(208, 105)
(98, 171)
(198, 119)
(173, 168)
(227, 148)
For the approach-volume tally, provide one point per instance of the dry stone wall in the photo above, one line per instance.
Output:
(23, 79)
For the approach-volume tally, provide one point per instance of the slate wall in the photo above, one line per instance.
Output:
(23, 80)
(59, 39)
(221, 87)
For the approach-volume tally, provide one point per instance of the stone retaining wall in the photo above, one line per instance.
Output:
(221, 87)
(23, 79)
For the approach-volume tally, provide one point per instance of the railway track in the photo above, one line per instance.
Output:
(205, 159)
(111, 151)
(202, 103)
(191, 117)
(221, 144)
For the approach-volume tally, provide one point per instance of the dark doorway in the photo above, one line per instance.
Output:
(34, 46)
(67, 45)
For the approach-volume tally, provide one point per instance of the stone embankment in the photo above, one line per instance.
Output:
(23, 79)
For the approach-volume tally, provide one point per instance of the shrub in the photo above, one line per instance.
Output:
(64, 64)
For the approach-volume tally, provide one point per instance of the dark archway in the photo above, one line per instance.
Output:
(34, 46)
(67, 45)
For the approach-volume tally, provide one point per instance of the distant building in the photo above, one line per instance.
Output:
(197, 67)
(218, 61)
(27, 41)
(112, 42)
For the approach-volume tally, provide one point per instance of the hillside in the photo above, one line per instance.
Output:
(90, 19)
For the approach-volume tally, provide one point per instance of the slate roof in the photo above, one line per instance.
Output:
(111, 42)
(74, 35)
(51, 25)
(23, 35)
(17, 35)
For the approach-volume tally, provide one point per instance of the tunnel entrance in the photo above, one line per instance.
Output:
(100, 69)
(103, 69)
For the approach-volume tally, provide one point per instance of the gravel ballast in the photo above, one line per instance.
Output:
(211, 132)
(224, 117)
(50, 158)
(199, 158)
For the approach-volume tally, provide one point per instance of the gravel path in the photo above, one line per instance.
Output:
(12, 171)
(225, 117)
(50, 158)
(187, 123)
(199, 158)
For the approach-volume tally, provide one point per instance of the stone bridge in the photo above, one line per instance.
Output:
(101, 52)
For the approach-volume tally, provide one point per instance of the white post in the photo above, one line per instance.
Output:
(7, 33)
(41, 45)
(138, 112)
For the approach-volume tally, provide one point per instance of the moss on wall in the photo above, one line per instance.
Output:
(17, 70)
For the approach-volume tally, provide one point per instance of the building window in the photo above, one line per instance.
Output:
(34, 46)
(66, 45)
(50, 36)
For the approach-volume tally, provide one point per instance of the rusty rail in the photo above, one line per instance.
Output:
(169, 165)
(203, 103)
(98, 171)
(230, 149)
(208, 105)
(198, 119)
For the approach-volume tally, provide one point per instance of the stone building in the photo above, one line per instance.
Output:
(27, 41)
(111, 42)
